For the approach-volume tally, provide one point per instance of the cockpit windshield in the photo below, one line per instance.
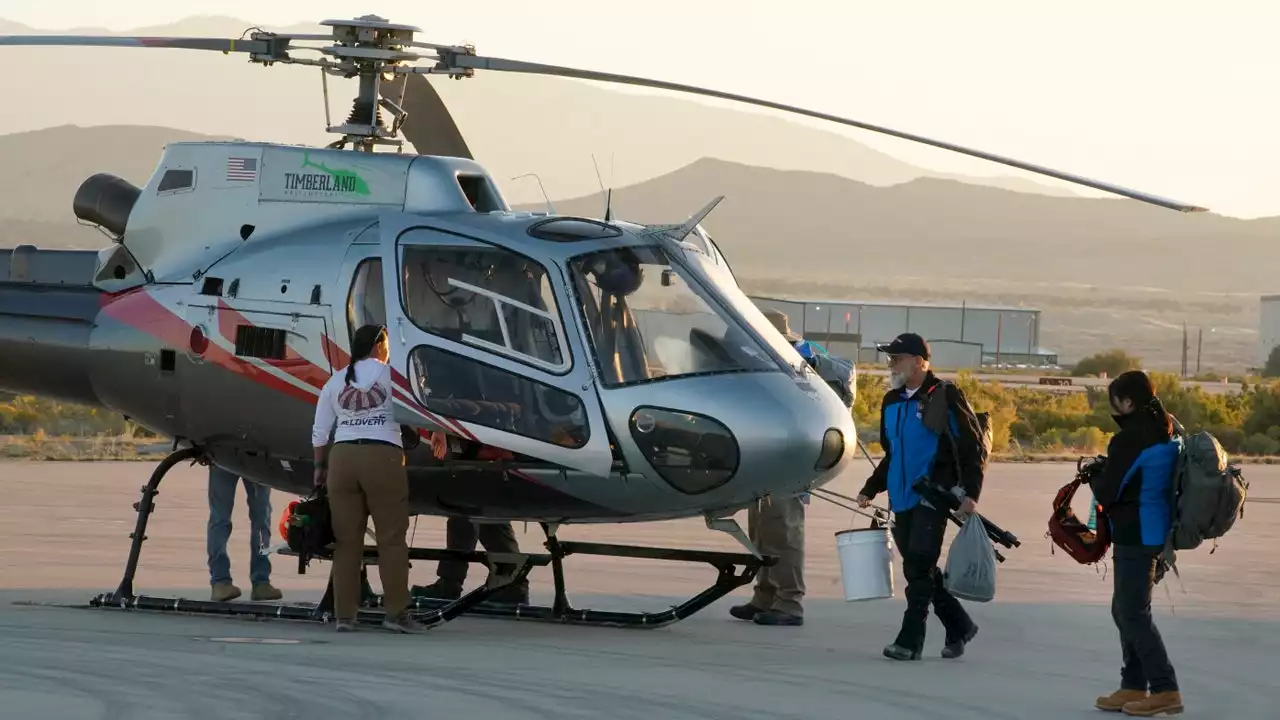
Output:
(648, 319)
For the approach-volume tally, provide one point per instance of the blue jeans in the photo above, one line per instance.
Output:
(222, 496)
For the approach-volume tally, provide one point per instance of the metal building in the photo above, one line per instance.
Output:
(961, 336)
(1268, 328)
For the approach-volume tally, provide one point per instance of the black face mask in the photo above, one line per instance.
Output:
(1120, 419)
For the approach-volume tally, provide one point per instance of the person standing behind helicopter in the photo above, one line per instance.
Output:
(365, 476)
(776, 524)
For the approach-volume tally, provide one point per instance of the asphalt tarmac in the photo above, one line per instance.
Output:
(1047, 646)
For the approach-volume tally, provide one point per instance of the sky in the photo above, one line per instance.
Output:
(1172, 98)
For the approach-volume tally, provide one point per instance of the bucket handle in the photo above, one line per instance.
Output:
(881, 516)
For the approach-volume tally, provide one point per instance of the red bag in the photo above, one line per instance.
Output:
(1067, 532)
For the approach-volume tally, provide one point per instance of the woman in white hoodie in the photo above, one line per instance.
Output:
(365, 475)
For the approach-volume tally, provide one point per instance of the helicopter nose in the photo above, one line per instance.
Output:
(735, 438)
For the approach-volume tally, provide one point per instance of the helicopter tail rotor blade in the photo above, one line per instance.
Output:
(428, 126)
(224, 45)
(504, 65)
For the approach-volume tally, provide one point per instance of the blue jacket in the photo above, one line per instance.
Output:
(913, 451)
(1134, 488)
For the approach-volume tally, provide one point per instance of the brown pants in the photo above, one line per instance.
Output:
(364, 481)
(776, 526)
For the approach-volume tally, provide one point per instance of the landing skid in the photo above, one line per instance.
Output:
(431, 612)
(727, 580)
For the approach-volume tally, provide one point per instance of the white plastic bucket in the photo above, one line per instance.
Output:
(866, 563)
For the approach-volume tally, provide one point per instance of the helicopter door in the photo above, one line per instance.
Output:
(254, 358)
(478, 343)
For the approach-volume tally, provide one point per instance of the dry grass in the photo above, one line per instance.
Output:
(40, 446)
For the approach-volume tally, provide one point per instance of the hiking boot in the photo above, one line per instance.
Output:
(1115, 702)
(897, 652)
(511, 595)
(746, 611)
(1162, 703)
(224, 592)
(439, 590)
(402, 623)
(777, 617)
(955, 648)
(265, 591)
(345, 626)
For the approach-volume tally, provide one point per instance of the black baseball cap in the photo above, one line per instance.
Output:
(906, 344)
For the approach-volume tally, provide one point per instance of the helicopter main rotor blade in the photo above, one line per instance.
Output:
(224, 45)
(428, 126)
(519, 66)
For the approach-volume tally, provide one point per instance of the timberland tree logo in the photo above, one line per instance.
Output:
(325, 181)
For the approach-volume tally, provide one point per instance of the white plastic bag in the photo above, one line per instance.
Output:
(971, 563)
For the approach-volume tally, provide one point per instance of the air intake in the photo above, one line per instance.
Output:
(106, 200)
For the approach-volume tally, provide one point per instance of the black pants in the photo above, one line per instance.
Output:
(1146, 663)
(462, 534)
(919, 533)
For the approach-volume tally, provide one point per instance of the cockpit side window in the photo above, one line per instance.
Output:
(486, 297)
(366, 303)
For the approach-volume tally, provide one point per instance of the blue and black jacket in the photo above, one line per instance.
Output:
(913, 451)
(1134, 486)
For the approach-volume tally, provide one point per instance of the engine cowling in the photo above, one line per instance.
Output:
(106, 201)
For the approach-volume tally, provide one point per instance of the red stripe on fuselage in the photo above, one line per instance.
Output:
(293, 363)
(142, 312)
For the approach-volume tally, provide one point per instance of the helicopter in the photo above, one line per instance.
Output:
(619, 368)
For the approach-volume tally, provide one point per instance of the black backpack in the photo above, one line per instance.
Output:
(310, 527)
(937, 421)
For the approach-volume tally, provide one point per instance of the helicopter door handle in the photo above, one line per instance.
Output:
(400, 329)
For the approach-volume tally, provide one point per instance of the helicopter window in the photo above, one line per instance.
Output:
(572, 229)
(366, 305)
(174, 180)
(459, 387)
(478, 193)
(488, 298)
(648, 319)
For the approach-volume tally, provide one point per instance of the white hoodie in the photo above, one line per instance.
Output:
(361, 410)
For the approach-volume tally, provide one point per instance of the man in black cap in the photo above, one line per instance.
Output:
(942, 445)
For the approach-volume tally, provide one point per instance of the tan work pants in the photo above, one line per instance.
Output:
(776, 526)
(364, 481)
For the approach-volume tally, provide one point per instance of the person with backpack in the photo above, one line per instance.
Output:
(1135, 492)
(945, 449)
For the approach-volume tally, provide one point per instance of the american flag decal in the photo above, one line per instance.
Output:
(242, 169)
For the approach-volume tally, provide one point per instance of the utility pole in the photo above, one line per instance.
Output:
(999, 327)
(1185, 348)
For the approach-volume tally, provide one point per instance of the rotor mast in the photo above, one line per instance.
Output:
(374, 51)
(368, 48)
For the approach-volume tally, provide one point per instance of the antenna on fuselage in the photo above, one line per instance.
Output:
(608, 194)
(550, 209)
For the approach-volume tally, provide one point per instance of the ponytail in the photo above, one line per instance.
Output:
(362, 346)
